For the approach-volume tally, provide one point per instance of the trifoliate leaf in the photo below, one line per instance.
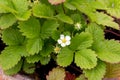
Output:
(44, 60)
(28, 67)
(34, 45)
(10, 57)
(42, 11)
(12, 37)
(30, 28)
(86, 59)
(105, 20)
(56, 74)
(64, 18)
(48, 28)
(81, 41)
(96, 31)
(33, 58)
(96, 73)
(15, 69)
(108, 51)
(65, 57)
(21, 6)
(7, 20)
(113, 70)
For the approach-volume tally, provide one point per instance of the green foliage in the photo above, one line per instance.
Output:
(42, 11)
(48, 27)
(86, 59)
(12, 37)
(90, 10)
(65, 18)
(15, 69)
(10, 57)
(109, 51)
(22, 9)
(44, 60)
(7, 20)
(32, 31)
(28, 67)
(34, 45)
(96, 73)
(81, 41)
(81, 77)
(96, 31)
(65, 57)
(30, 28)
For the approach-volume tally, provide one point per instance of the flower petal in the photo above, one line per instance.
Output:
(62, 36)
(67, 43)
(63, 44)
(67, 38)
(59, 41)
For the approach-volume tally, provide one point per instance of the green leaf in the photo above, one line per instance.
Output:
(56, 74)
(15, 69)
(64, 18)
(34, 45)
(44, 60)
(113, 7)
(108, 50)
(12, 37)
(6, 6)
(30, 28)
(65, 57)
(96, 73)
(85, 7)
(21, 6)
(81, 41)
(7, 20)
(22, 50)
(29, 67)
(33, 58)
(48, 28)
(9, 57)
(96, 31)
(113, 70)
(81, 77)
(42, 11)
(69, 6)
(55, 35)
(47, 50)
(86, 59)
(105, 20)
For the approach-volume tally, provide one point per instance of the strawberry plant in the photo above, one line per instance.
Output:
(67, 31)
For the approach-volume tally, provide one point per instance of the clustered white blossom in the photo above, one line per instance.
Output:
(64, 40)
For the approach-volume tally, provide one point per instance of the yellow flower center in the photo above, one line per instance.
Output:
(57, 49)
(64, 40)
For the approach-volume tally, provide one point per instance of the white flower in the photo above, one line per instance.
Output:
(64, 40)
